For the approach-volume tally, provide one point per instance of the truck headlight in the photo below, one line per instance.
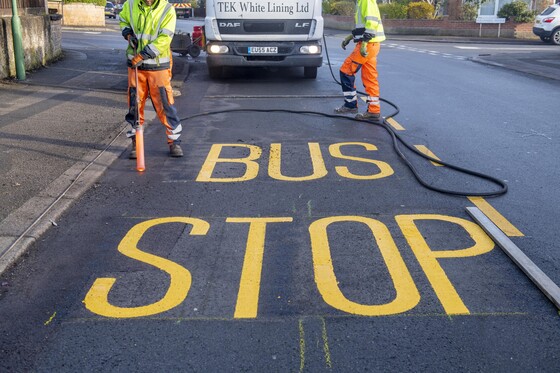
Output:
(218, 49)
(310, 49)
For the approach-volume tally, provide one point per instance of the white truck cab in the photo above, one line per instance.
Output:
(284, 33)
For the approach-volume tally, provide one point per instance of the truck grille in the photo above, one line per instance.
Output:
(263, 27)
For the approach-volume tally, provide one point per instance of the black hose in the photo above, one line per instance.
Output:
(396, 140)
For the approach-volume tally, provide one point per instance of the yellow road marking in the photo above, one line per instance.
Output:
(301, 346)
(406, 297)
(213, 158)
(384, 169)
(250, 283)
(326, 344)
(83, 320)
(424, 149)
(97, 298)
(50, 319)
(317, 162)
(488, 210)
(393, 123)
(497, 218)
(396, 125)
(428, 258)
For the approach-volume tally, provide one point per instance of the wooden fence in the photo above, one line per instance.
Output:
(24, 7)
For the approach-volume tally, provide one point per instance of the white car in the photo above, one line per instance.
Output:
(547, 25)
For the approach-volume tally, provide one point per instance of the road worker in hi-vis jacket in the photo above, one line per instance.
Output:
(368, 36)
(148, 26)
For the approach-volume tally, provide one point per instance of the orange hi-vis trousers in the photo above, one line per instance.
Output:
(156, 84)
(352, 64)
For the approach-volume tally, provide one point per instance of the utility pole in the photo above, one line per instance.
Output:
(18, 44)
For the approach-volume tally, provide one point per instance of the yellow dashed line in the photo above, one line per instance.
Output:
(497, 218)
(493, 214)
(396, 125)
(429, 153)
(393, 123)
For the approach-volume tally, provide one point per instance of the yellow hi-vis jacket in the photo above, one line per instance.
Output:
(368, 20)
(154, 27)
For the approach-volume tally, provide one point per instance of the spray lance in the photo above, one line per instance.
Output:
(138, 127)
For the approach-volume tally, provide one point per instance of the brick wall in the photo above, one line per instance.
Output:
(440, 27)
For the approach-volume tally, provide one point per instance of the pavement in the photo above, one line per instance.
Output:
(542, 64)
(59, 131)
(64, 125)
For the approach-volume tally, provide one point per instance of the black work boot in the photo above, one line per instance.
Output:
(370, 117)
(175, 151)
(132, 154)
(346, 110)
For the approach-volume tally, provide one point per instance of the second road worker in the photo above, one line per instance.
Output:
(368, 36)
(148, 26)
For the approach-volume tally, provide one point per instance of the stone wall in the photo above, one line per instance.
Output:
(4, 72)
(440, 27)
(81, 14)
(41, 39)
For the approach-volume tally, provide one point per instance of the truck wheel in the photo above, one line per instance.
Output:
(194, 51)
(310, 72)
(215, 72)
(555, 37)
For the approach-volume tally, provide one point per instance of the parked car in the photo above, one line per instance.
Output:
(110, 10)
(547, 25)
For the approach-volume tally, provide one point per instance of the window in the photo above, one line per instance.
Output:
(490, 8)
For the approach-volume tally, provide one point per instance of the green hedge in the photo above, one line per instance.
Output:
(469, 11)
(420, 10)
(343, 8)
(517, 10)
(393, 11)
(94, 2)
(399, 9)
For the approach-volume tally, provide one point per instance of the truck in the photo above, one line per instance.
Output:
(269, 33)
(182, 8)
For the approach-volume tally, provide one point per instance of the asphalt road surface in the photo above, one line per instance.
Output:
(299, 242)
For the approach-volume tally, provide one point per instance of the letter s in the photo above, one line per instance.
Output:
(96, 299)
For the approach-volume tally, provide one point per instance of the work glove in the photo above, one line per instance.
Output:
(137, 60)
(367, 36)
(146, 54)
(363, 49)
(346, 41)
(132, 41)
(126, 32)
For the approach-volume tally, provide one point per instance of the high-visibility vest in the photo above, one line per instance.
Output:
(369, 19)
(154, 26)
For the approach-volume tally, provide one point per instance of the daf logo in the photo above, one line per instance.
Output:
(229, 24)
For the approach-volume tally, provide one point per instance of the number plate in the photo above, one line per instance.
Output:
(263, 50)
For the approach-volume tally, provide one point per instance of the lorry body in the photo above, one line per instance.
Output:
(182, 8)
(271, 33)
